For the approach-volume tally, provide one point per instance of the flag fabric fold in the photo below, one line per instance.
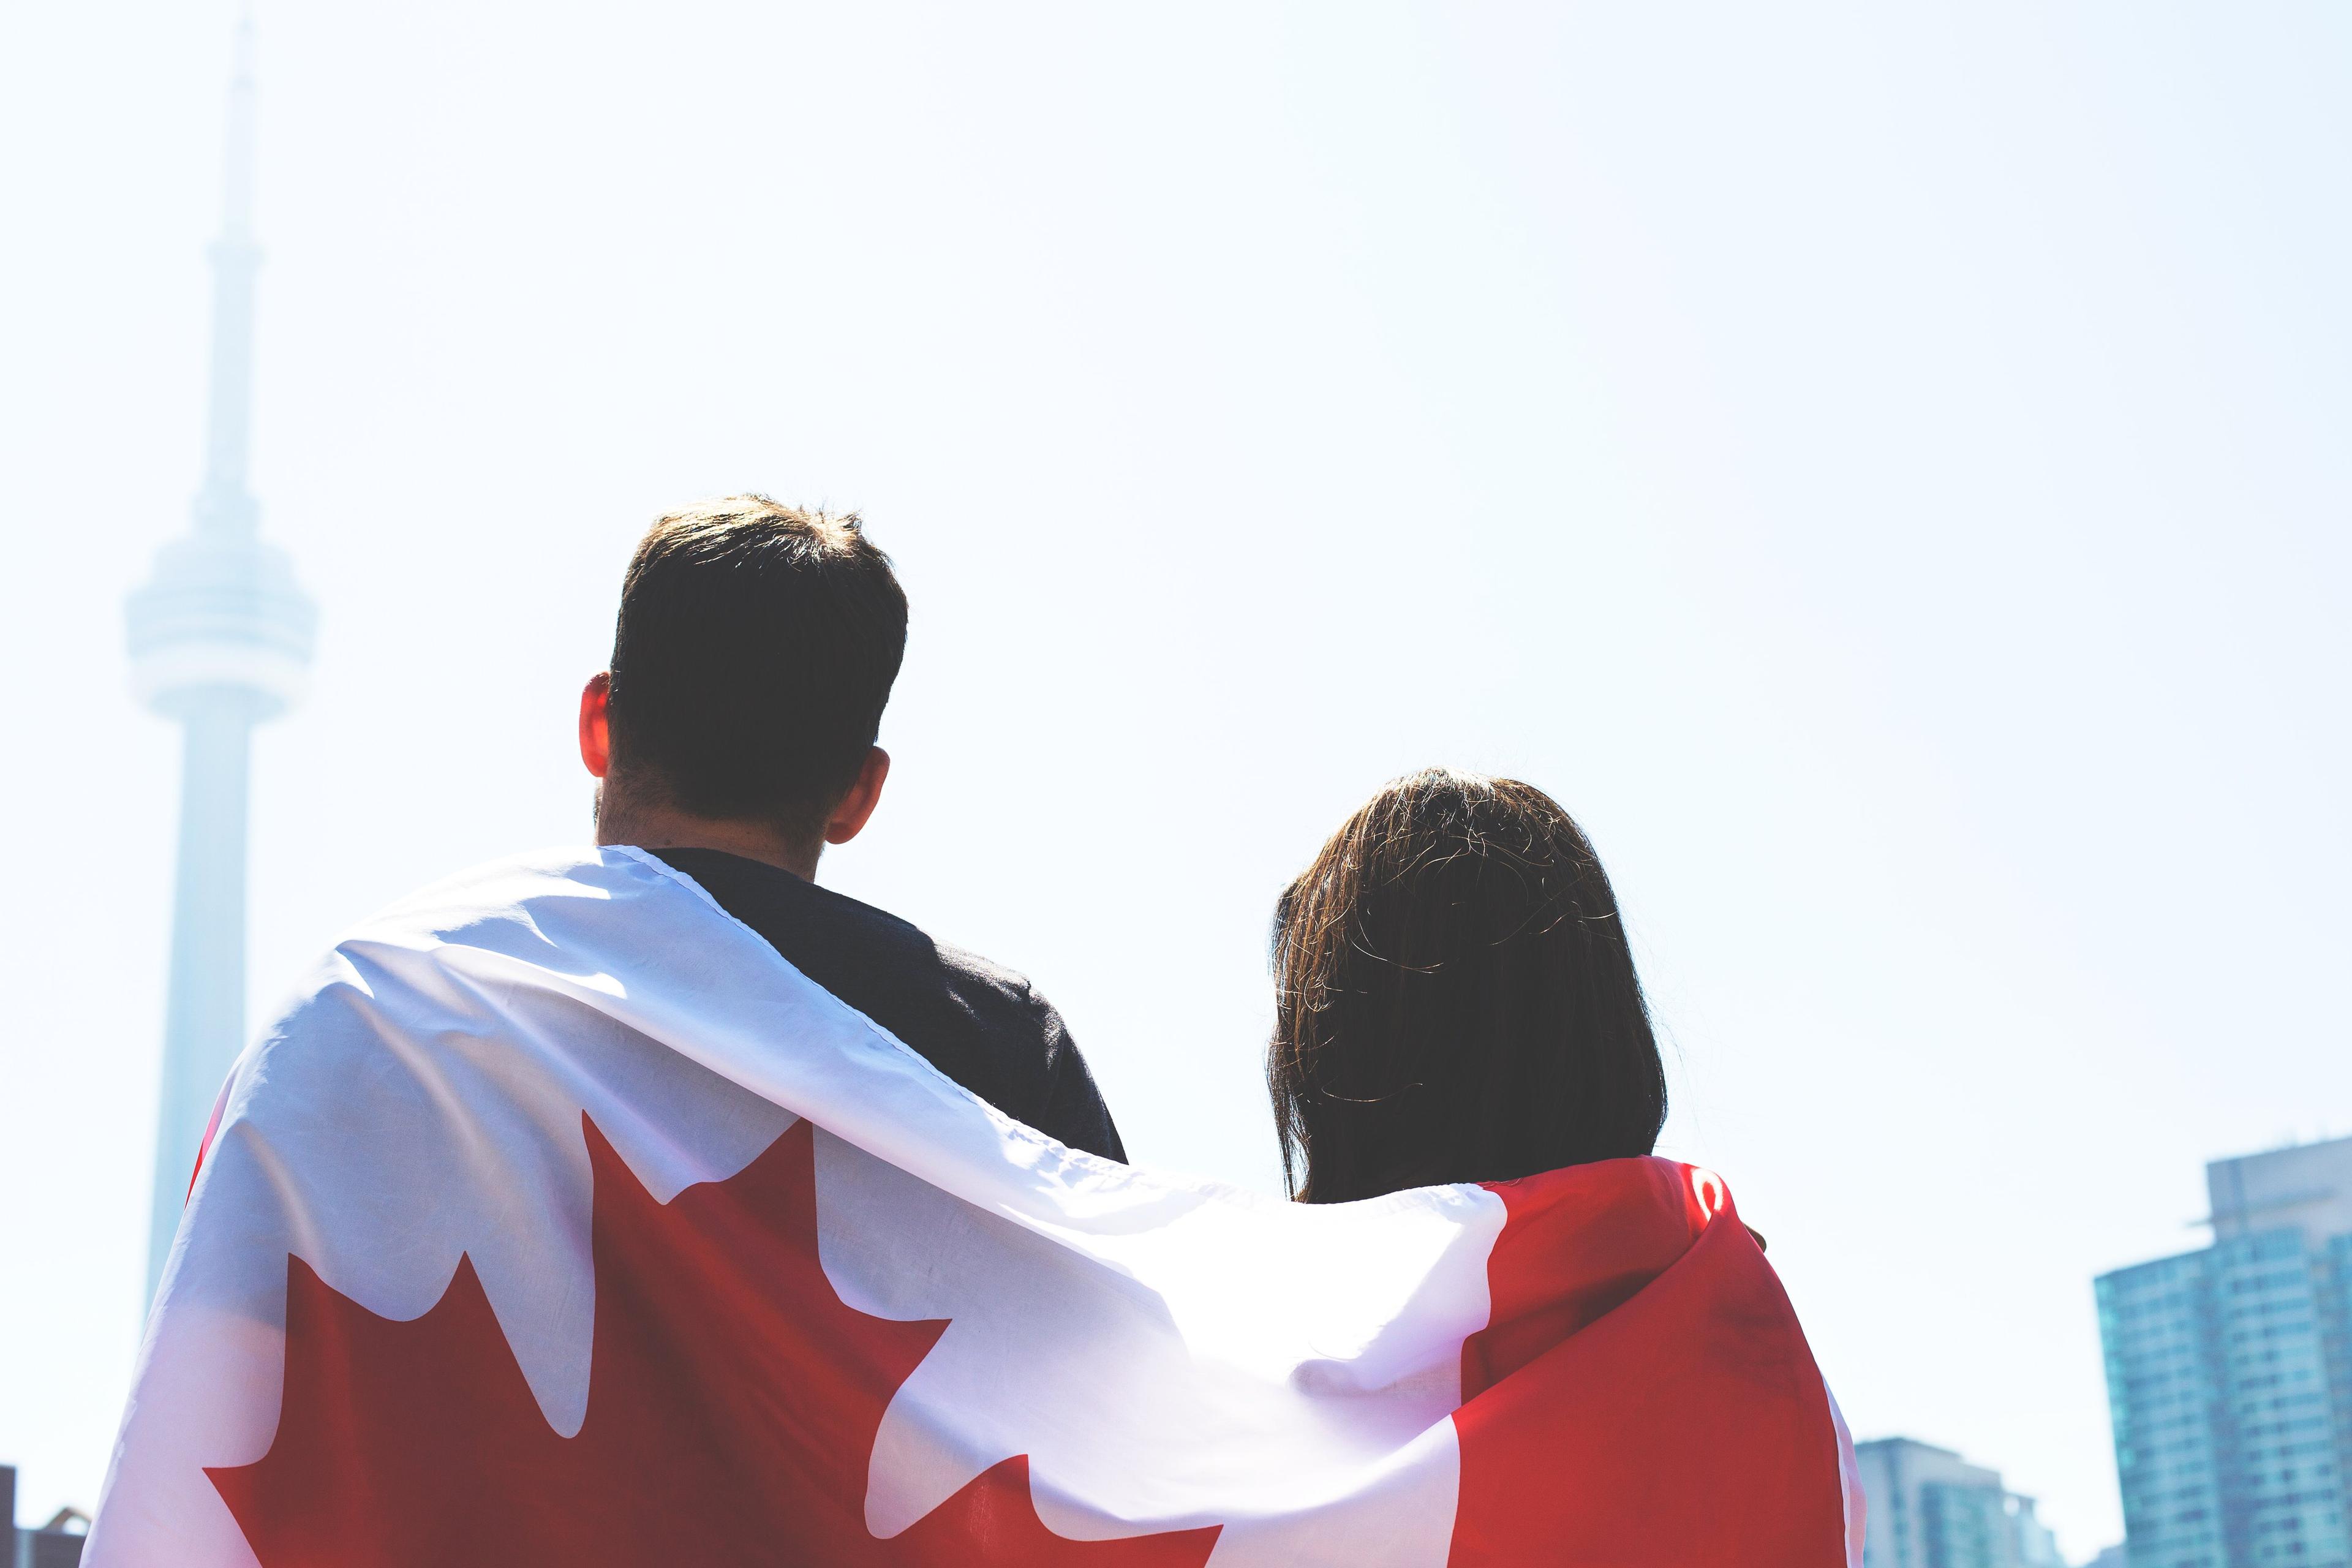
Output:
(559, 1220)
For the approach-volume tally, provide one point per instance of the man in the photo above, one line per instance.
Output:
(733, 737)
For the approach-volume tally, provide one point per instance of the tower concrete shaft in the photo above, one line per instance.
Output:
(220, 640)
(203, 1025)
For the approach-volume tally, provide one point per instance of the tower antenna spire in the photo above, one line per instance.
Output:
(220, 640)
(225, 503)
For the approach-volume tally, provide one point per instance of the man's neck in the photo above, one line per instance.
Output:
(659, 827)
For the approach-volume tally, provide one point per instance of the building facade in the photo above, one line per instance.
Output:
(1928, 1508)
(57, 1544)
(2230, 1374)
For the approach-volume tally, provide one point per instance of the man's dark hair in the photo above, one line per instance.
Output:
(755, 650)
(1455, 999)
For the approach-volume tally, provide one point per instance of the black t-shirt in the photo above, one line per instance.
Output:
(982, 1025)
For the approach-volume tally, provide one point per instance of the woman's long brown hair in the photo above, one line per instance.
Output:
(1454, 998)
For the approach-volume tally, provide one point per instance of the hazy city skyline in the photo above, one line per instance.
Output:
(1881, 473)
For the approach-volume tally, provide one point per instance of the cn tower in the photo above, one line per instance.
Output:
(220, 640)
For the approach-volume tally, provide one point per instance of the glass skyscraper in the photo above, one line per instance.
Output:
(1931, 1509)
(2229, 1374)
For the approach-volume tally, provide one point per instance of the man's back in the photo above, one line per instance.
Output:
(982, 1025)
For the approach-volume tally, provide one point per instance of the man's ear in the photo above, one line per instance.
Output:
(851, 816)
(595, 727)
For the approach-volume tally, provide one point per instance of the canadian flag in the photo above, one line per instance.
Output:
(561, 1222)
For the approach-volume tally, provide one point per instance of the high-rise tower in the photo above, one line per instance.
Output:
(1931, 1509)
(220, 640)
(2230, 1374)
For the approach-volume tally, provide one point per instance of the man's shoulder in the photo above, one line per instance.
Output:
(986, 975)
(736, 880)
(945, 1002)
(983, 1024)
(795, 914)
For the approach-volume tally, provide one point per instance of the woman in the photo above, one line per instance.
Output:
(1454, 998)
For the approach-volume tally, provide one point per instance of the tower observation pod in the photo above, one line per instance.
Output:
(220, 640)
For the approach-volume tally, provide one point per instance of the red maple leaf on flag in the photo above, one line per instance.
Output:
(734, 1401)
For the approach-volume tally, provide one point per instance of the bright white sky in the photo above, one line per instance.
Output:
(1883, 467)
